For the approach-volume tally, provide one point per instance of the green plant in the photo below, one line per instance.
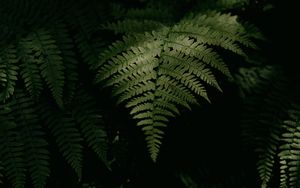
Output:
(59, 66)
(168, 66)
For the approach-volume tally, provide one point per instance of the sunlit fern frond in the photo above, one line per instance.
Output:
(156, 71)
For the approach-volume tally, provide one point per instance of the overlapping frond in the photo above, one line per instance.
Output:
(8, 72)
(42, 51)
(156, 69)
(89, 46)
(13, 158)
(11, 148)
(68, 138)
(66, 46)
(90, 120)
(35, 151)
(170, 67)
(265, 107)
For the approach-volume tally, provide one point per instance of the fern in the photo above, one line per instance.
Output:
(289, 151)
(8, 72)
(67, 136)
(12, 156)
(37, 156)
(29, 70)
(160, 66)
(266, 103)
(154, 71)
(11, 148)
(91, 123)
(66, 46)
(43, 56)
(21, 114)
(89, 46)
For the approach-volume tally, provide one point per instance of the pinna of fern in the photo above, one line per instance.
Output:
(156, 71)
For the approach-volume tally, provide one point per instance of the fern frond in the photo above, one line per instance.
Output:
(289, 150)
(40, 50)
(12, 157)
(66, 46)
(265, 108)
(91, 123)
(68, 138)
(29, 69)
(11, 149)
(36, 154)
(8, 72)
(168, 67)
(89, 46)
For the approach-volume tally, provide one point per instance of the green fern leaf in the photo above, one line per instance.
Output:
(289, 151)
(29, 69)
(36, 154)
(8, 72)
(89, 47)
(11, 149)
(266, 102)
(86, 114)
(154, 72)
(68, 138)
(40, 50)
(66, 46)
(12, 156)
